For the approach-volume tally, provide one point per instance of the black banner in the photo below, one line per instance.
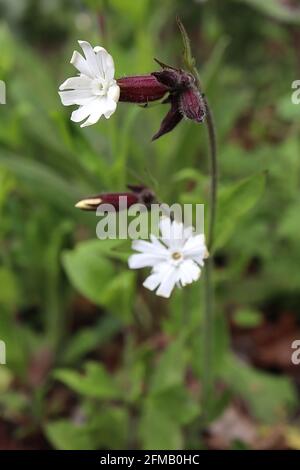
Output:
(134, 459)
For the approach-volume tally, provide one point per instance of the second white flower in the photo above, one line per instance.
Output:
(176, 258)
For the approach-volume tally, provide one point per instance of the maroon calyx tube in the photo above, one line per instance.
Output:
(141, 89)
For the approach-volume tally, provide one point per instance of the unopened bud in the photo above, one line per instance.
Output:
(138, 195)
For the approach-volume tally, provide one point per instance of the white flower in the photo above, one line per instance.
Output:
(95, 90)
(176, 258)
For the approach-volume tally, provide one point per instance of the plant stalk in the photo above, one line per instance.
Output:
(209, 310)
(208, 319)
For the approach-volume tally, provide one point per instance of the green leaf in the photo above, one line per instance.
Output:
(95, 382)
(109, 426)
(105, 428)
(89, 338)
(135, 12)
(6, 378)
(247, 318)
(9, 293)
(276, 9)
(159, 431)
(270, 398)
(96, 277)
(119, 294)
(65, 435)
(17, 351)
(233, 203)
(177, 404)
(88, 272)
(169, 372)
(287, 109)
(188, 58)
(41, 180)
(13, 404)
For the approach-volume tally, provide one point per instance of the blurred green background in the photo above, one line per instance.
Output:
(94, 361)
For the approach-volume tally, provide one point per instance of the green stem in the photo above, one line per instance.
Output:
(207, 338)
(208, 320)
(213, 173)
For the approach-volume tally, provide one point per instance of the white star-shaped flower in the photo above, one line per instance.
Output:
(95, 90)
(176, 258)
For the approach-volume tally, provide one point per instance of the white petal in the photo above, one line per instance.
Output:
(99, 106)
(168, 283)
(195, 247)
(177, 236)
(114, 92)
(78, 61)
(108, 106)
(199, 259)
(90, 58)
(93, 118)
(83, 82)
(177, 230)
(80, 114)
(142, 260)
(188, 272)
(100, 53)
(172, 233)
(165, 228)
(142, 246)
(105, 63)
(79, 97)
(188, 232)
(151, 248)
(156, 241)
(84, 111)
(152, 281)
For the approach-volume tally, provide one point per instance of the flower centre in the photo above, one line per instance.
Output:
(100, 87)
(176, 255)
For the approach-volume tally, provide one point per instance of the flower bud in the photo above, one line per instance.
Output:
(184, 96)
(174, 79)
(181, 89)
(138, 195)
(192, 105)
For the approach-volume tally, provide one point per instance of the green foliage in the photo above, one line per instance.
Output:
(168, 405)
(95, 276)
(277, 395)
(89, 338)
(247, 318)
(95, 383)
(277, 9)
(93, 359)
(66, 436)
(107, 429)
(233, 203)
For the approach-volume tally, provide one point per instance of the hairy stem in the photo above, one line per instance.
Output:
(208, 320)
(211, 130)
